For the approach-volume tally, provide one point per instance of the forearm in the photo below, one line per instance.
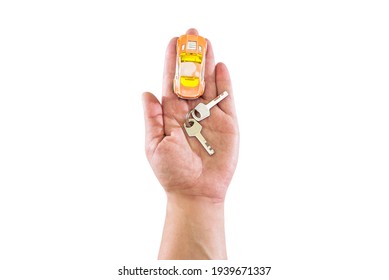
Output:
(194, 229)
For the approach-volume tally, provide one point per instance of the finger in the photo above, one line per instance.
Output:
(153, 116)
(169, 69)
(223, 83)
(210, 87)
(192, 31)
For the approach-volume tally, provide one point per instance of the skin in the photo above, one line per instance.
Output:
(195, 182)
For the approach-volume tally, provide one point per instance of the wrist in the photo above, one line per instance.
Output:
(195, 227)
(197, 193)
(189, 200)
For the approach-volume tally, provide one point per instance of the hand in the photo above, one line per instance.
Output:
(181, 164)
(195, 182)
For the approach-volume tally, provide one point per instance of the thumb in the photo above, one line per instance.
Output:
(153, 123)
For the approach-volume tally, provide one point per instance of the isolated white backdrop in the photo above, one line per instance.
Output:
(309, 197)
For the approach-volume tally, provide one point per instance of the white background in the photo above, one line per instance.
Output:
(309, 197)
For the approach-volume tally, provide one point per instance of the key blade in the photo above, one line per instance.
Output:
(208, 148)
(218, 98)
(205, 144)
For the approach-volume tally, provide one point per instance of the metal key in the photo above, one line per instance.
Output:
(195, 131)
(202, 111)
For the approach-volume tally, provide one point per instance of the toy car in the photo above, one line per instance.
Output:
(190, 66)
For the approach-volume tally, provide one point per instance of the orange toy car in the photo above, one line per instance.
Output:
(190, 66)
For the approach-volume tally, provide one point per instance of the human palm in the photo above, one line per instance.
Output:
(180, 163)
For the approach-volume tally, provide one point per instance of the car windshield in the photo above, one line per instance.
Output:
(197, 58)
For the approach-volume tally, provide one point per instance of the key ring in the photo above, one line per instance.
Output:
(187, 124)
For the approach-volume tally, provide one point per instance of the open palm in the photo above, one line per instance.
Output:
(180, 163)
